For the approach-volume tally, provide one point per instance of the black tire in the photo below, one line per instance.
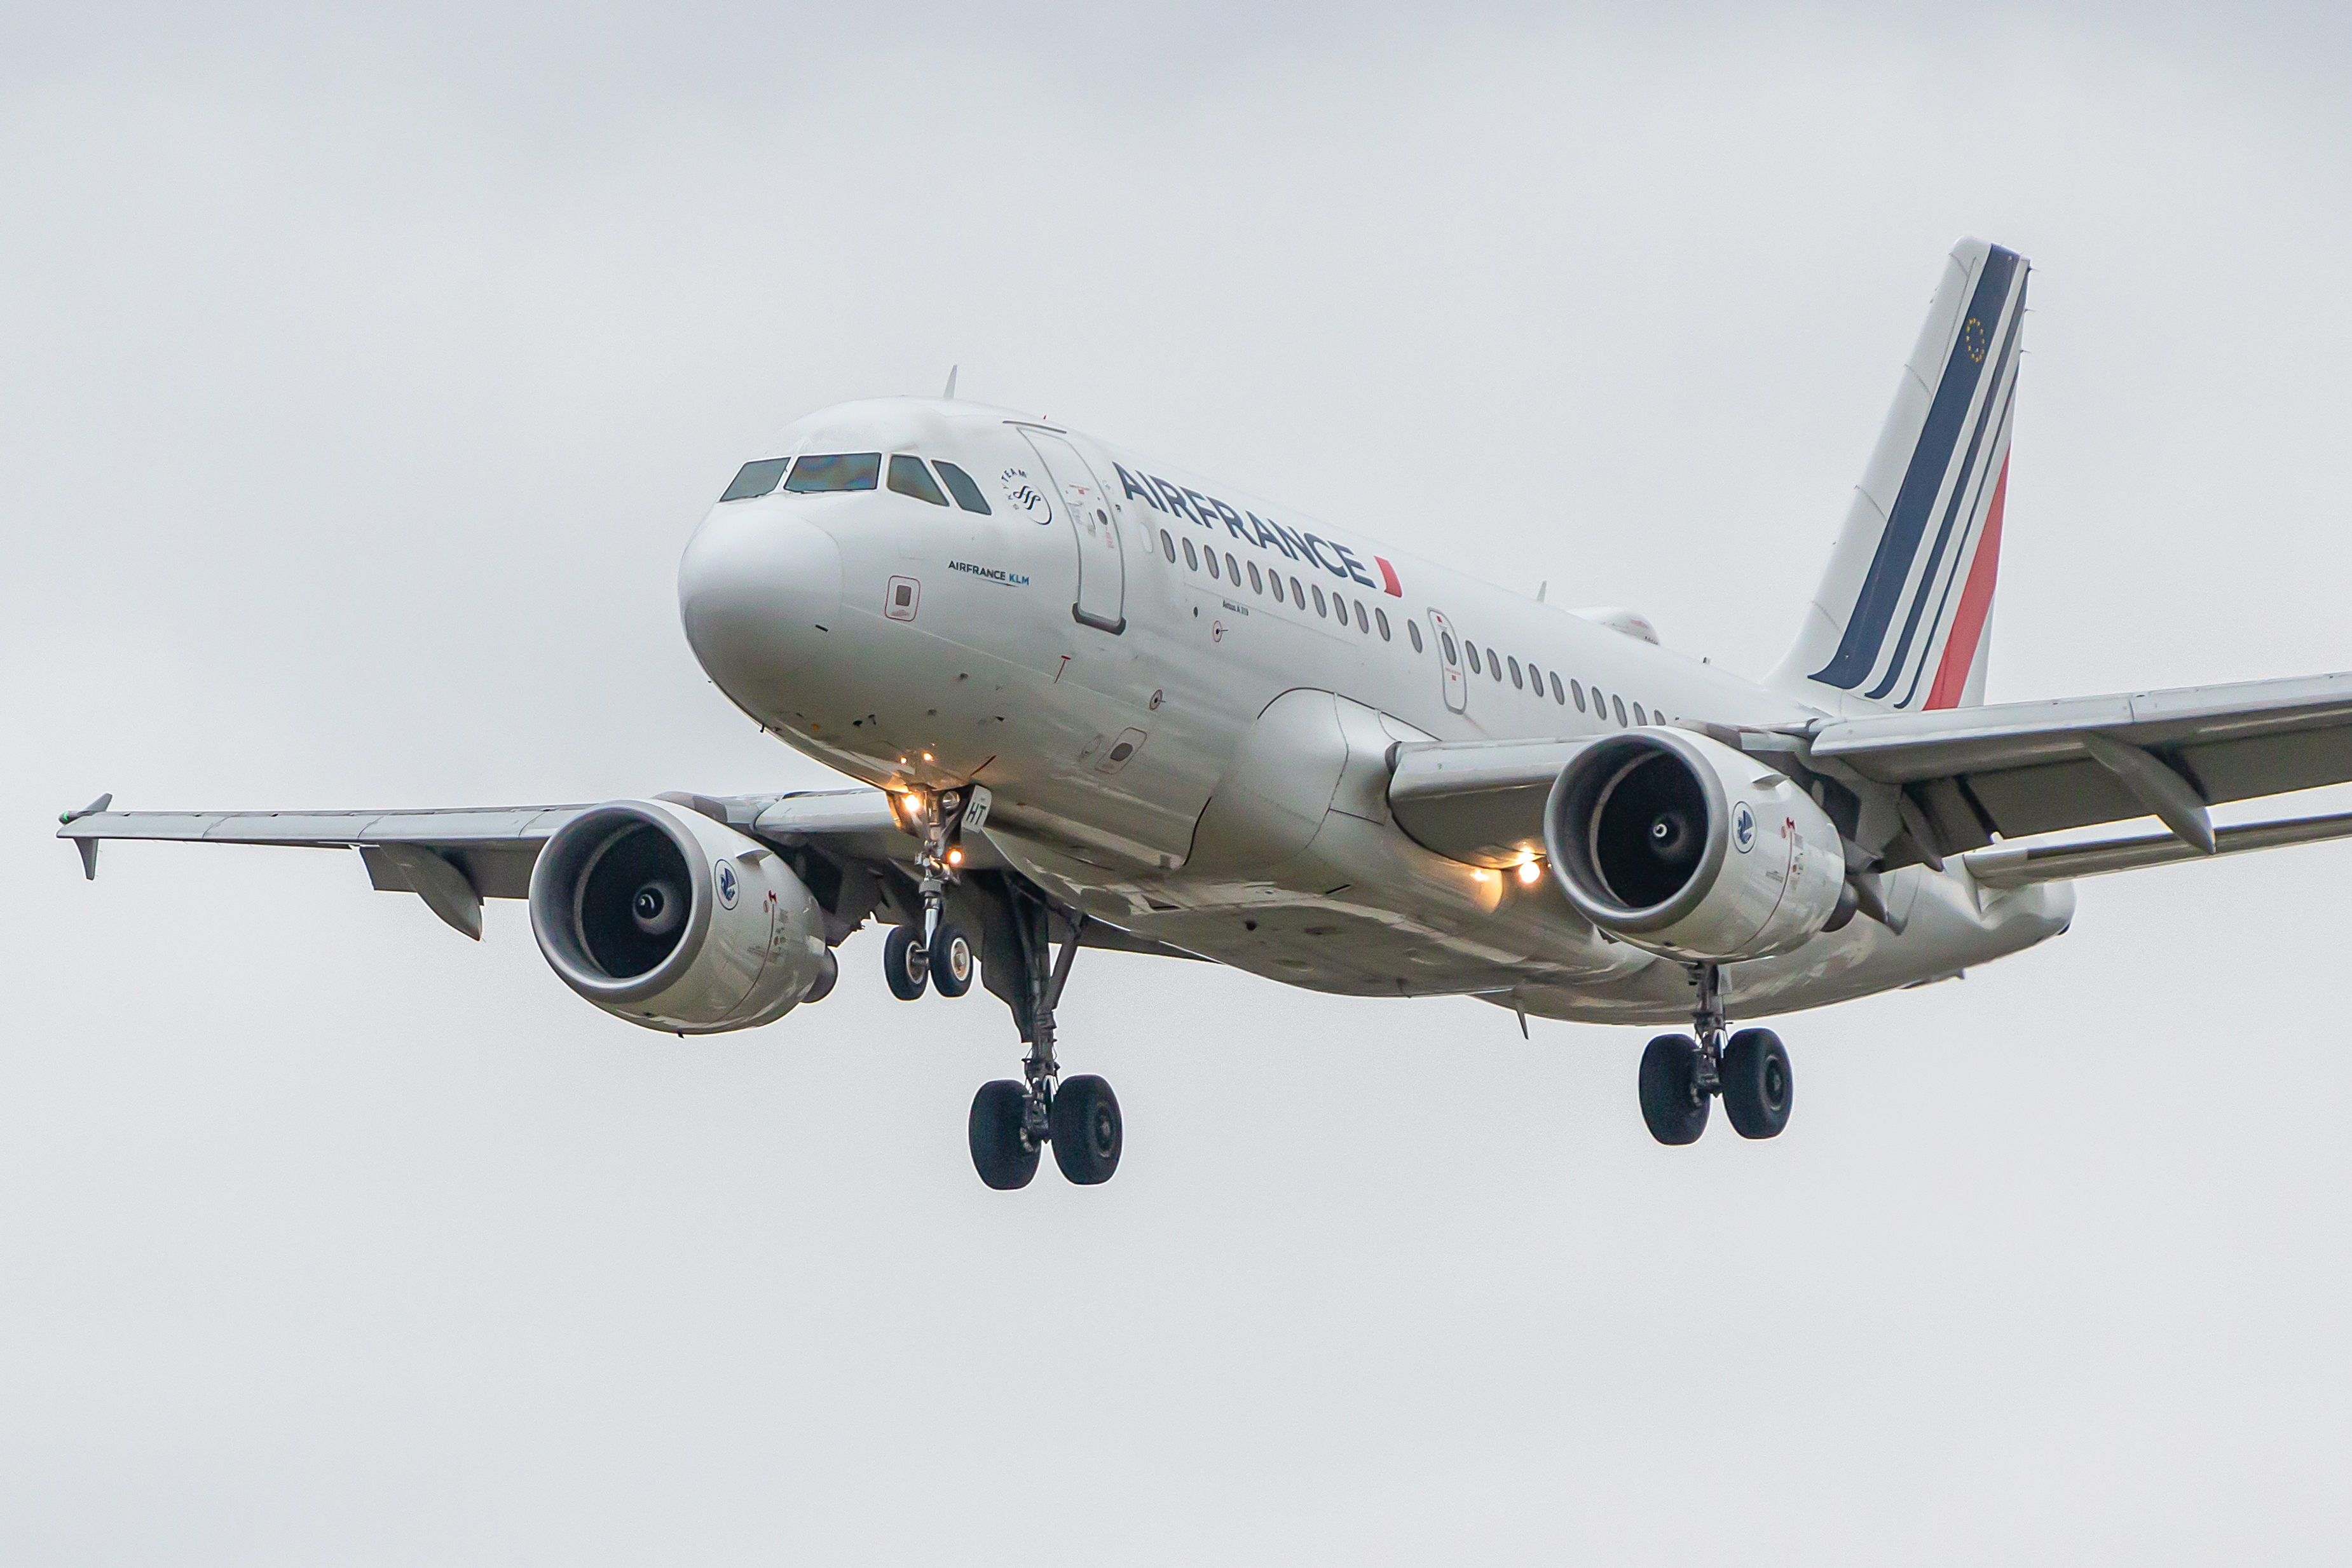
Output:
(1672, 1102)
(904, 964)
(1087, 1135)
(1758, 1084)
(952, 962)
(998, 1154)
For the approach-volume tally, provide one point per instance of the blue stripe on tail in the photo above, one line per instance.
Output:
(1898, 547)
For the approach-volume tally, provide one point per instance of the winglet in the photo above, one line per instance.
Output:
(88, 847)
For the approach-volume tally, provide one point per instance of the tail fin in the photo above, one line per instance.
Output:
(1901, 619)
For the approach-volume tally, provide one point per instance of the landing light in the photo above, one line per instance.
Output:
(955, 857)
(1529, 870)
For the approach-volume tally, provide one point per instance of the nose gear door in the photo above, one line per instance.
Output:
(1449, 662)
(1083, 501)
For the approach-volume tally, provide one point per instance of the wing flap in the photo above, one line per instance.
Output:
(2006, 866)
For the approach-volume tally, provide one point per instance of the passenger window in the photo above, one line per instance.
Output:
(1475, 667)
(1298, 594)
(1639, 716)
(910, 477)
(1558, 696)
(1233, 570)
(1257, 584)
(1213, 566)
(1578, 693)
(756, 478)
(1361, 625)
(838, 471)
(1168, 547)
(1447, 639)
(1320, 608)
(961, 487)
(1516, 681)
(1494, 666)
(1412, 630)
(1619, 704)
(1381, 619)
(1191, 557)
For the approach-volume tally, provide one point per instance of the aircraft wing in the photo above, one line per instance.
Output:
(1479, 801)
(454, 857)
(1967, 775)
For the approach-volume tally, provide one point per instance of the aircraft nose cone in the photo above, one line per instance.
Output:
(758, 590)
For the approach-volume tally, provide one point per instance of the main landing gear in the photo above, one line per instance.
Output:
(1012, 1120)
(1681, 1075)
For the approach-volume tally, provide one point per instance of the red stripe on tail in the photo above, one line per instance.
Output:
(1976, 605)
(1389, 577)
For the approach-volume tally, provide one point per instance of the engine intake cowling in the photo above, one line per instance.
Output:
(665, 918)
(1683, 846)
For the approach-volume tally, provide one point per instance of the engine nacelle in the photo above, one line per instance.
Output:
(664, 917)
(1679, 844)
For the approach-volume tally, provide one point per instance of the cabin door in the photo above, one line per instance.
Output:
(1086, 506)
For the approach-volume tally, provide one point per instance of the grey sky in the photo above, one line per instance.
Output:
(360, 381)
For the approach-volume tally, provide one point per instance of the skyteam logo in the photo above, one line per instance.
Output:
(729, 889)
(1026, 495)
(1743, 828)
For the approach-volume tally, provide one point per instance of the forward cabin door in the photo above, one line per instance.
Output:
(1086, 505)
(1449, 662)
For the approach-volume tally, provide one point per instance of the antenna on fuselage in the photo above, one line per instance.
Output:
(951, 375)
(1539, 587)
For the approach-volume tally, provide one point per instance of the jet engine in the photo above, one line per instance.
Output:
(664, 917)
(1681, 845)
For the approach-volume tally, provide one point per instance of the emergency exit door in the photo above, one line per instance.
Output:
(1449, 663)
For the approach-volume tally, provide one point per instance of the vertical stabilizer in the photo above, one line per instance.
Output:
(1902, 620)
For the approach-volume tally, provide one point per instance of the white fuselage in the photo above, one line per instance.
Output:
(905, 642)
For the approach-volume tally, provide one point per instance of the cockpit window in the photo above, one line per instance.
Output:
(756, 478)
(910, 477)
(961, 487)
(843, 471)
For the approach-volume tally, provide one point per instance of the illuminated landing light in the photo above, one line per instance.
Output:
(926, 756)
(955, 857)
(1529, 870)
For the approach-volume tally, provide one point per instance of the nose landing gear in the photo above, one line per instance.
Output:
(934, 953)
(1680, 1075)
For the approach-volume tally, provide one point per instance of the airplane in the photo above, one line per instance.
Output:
(1094, 701)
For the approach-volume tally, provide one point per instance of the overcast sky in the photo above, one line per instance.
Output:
(361, 379)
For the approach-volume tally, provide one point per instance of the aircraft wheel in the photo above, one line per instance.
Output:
(1672, 1104)
(1000, 1156)
(1758, 1085)
(904, 964)
(1087, 1135)
(950, 962)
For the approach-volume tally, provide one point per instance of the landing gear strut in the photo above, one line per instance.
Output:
(1013, 1120)
(1680, 1075)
